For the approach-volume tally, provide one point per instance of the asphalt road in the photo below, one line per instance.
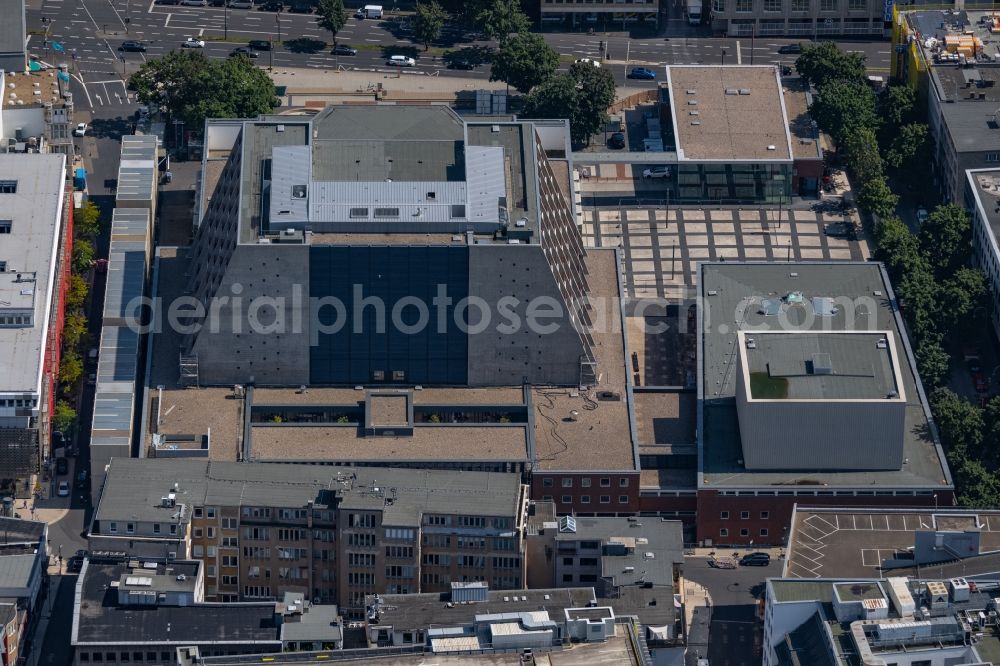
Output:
(90, 32)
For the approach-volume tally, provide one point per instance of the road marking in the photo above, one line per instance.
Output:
(167, 22)
(201, 32)
(151, 3)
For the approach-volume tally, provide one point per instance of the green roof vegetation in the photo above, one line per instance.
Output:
(765, 387)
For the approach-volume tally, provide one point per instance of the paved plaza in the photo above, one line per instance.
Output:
(663, 246)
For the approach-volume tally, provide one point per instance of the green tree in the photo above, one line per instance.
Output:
(991, 430)
(911, 142)
(70, 368)
(596, 92)
(330, 15)
(87, 220)
(876, 198)
(896, 106)
(861, 151)
(74, 328)
(823, 62)
(976, 485)
(524, 61)
(843, 106)
(76, 292)
(83, 255)
(932, 361)
(428, 22)
(958, 297)
(557, 97)
(63, 417)
(503, 18)
(918, 290)
(959, 422)
(946, 239)
(192, 87)
(895, 246)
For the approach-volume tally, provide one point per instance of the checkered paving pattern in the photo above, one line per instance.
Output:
(662, 247)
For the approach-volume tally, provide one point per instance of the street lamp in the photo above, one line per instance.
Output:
(723, 54)
(225, 19)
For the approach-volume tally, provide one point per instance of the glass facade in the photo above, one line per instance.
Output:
(752, 182)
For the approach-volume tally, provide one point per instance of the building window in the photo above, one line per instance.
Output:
(744, 6)
(800, 5)
(8, 187)
(566, 499)
(567, 578)
(828, 5)
(156, 528)
(724, 515)
(605, 499)
(744, 515)
(772, 5)
(547, 482)
(605, 482)
(197, 512)
(567, 561)
(113, 528)
(744, 532)
(567, 482)
(763, 531)
(623, 483)
(5, 226)
(210, 512)
(719, 6)
(723, 532)
(623, 499)
(857, 5)
(546, 498)
(764, 515)
(992, 157)
(584, 499)
(130, 528)
(585, 482)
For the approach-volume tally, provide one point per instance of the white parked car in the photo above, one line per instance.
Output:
(63, 490)
(192, 43)
(656, 172)
(589, 61)
(401, 61)
(80, 129)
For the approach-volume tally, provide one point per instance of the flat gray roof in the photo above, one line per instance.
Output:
(15, 570)
(728, 113)
(137, 169)
(985, 186)
(13, 34)
(733, 299)
(134, 487)
(819, 366)
(34, 211)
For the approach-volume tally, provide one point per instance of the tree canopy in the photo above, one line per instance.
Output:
(191, 87)
(428, 21)
(87, 219)
(583, 95)
(877, 198)
(503, 18)
(824, 62)
(63, 416)
(330, 15)
(842, 106)
(946, 239)
(524, 61)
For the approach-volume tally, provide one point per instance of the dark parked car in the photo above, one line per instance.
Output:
(755, 560)
(641, 73)
(259, 44)
(790, 49)
(272, 6)
(243, 50)
(461, 63)
(344, 49)
(62, 466)
(841, 230)
(617, 140)
(75, 562)
(133, 47)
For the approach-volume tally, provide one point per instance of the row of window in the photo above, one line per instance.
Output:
(744, 532)
(567, 482)
(745, 515)
(747, 6)
(585, 499)
(16, 320)
(127, 657)
(130, 528)
(16, 403)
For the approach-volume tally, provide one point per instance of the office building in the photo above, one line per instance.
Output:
(893, 620)
(132, 611)
(809, 19)
(35, 246)
(817, 353)
(945, 56)
(576, 16)
(36, 111)
(982, 200)
(331, 534)
(23, 562)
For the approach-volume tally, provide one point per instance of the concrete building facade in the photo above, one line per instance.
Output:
(814, 19)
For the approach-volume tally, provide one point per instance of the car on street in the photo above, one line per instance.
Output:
(193, 43)
(195, 3)
(132, 46)
(344, 49)
(80, 129)
(617, 140)
(241, 4)
(272, 6)
(62, 466)
(589, 61)
(81, 477)
(243, 50)
(401, 61)
(922, 215)
(657, 172)
(642, 73)
(755, 560)
(75, 562)
(259, 44)
(168, 2)
(461, 63)
(790, 49)
(63, 489)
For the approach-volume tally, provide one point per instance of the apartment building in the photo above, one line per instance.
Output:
(23, 559)
(602, 14)
(35, 245)
(330, 534)
(813, 19)
(982, 199)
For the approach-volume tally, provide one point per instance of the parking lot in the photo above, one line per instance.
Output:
(662, 246)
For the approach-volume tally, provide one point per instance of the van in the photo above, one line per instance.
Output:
(755, 560)
(401, 61)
